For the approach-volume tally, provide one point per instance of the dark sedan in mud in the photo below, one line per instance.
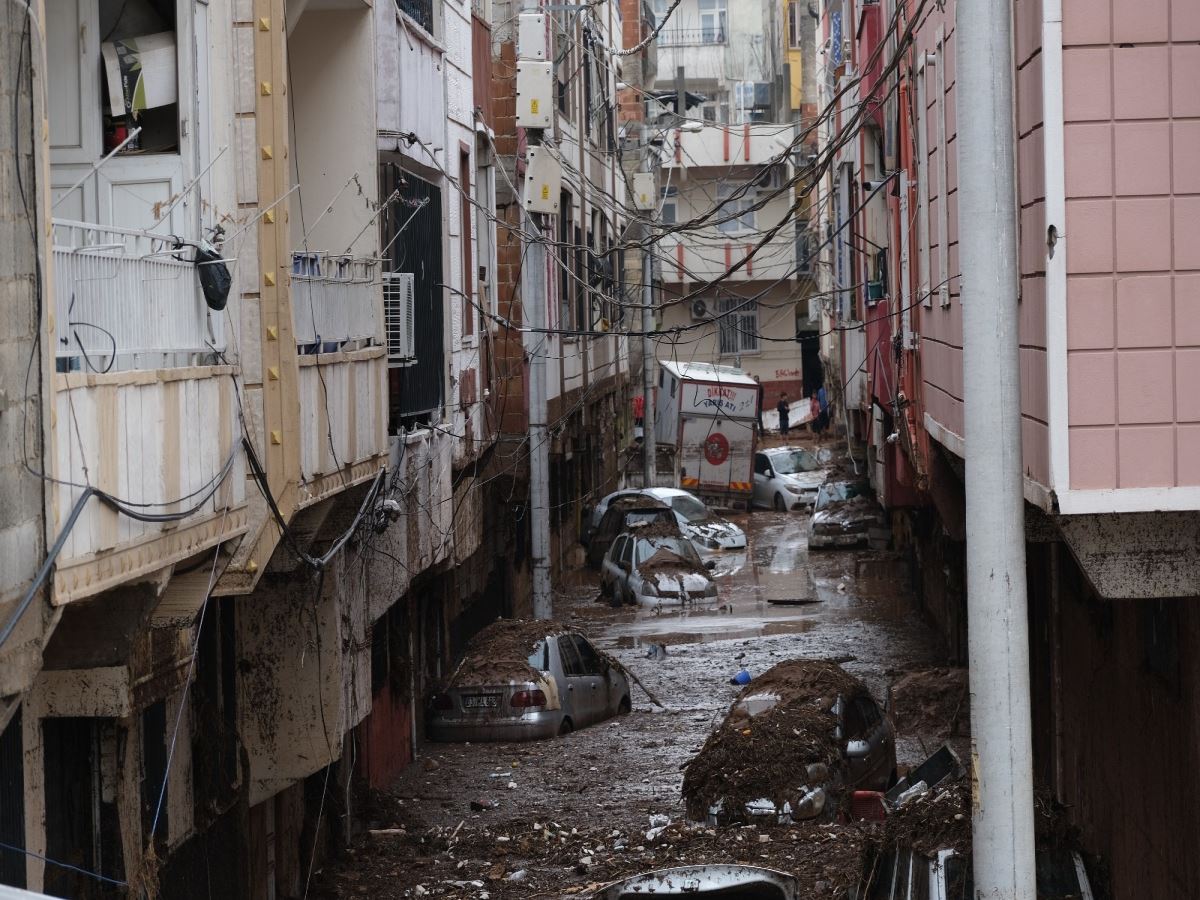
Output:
(523, 681)
(843, 515)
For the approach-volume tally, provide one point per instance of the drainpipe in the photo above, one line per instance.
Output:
(649, 361)
(998, 632)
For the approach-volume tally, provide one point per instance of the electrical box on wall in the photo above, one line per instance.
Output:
(535, 95)
(531, 35)
(644, 190)
(543, 180)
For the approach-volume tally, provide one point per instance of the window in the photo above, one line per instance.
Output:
(464, 224)
(626, 555)
(712, 21)
(592, 664)
(420, 11)
(738, 326)
(795, 20)
(734, 199)
(571, 663)
(922, 129)
(691, 509)
(804, 251)
(761, 464)
(669, 197)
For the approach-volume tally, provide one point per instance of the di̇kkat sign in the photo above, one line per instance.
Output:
(141, 73)
(732, 401)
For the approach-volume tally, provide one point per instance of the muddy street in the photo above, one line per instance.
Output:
(554, 817)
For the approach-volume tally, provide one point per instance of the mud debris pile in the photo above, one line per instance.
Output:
(779, 726)
(500, 652)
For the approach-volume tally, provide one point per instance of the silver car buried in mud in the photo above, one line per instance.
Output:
(563, 685)
(655, 569)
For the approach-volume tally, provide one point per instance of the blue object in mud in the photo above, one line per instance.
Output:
(741, 678)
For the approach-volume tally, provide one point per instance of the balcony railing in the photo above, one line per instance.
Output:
(336, 302)
(680, 37)
(126, 300)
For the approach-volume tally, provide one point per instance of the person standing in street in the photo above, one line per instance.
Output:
(759, 407)
(782, 407)
(814, 414)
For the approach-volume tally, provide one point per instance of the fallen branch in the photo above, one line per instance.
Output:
(628, 673)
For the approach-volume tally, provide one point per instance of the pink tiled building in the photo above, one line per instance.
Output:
(1107, 123)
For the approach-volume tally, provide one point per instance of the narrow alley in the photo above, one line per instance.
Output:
(517, 820)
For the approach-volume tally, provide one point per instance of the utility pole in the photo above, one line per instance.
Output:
(533, 306)
(998, 640)
(649, 440)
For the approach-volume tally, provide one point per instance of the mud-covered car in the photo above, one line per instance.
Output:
(696, 520)
(624, 513)
(725, 880)
(650, 566)
(843, 516)
(788, 478)
(797, 739)
(945, 874)
(525, 680)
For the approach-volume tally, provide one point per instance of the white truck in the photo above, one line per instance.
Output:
(707, 414)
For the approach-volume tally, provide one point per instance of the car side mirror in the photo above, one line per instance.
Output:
(710, 565)
(768, 473)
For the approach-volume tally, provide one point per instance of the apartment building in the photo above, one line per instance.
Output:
(247, 525)
(736, 147)
(1106, 197)
(589, 403)
(736, 283)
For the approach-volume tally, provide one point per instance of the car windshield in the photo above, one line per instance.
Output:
(836, 492)
(691, 509)
(647, 547)
(793, 462)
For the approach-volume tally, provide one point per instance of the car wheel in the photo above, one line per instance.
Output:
(566, 727)
(780, 503)
(624, 707)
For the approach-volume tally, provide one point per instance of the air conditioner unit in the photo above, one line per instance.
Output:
(399, 297)
(700, 311)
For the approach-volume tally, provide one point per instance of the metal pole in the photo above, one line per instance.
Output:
(649, 440)
(533, 305)
(998, 641)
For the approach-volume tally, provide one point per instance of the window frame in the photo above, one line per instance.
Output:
(729, 200)
(737, 326)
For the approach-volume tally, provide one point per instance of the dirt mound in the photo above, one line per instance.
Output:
(664, 560)
(657, 529)
(758, 756)
(500, 652)
(932, 701)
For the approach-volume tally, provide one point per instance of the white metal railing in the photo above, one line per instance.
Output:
(336, 301)
(127, 300)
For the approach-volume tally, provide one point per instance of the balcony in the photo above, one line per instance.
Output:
(689, 37)
(336, 302)
(723, 146)
(704, 260)
(126, 301)
(337, 312)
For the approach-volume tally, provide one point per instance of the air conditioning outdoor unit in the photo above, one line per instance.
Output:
(399, 297)
(699, 311)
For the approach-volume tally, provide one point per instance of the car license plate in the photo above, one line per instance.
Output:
(481, 701)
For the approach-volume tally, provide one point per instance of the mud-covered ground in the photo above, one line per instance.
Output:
(559, 817)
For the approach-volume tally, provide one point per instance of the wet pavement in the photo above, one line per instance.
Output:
(855, 607)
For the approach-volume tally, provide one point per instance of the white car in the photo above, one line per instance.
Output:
(699, 523)
(655, 570)
(787, 478)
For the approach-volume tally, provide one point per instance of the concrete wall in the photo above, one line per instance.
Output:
(22, 515)
(1132, 203)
